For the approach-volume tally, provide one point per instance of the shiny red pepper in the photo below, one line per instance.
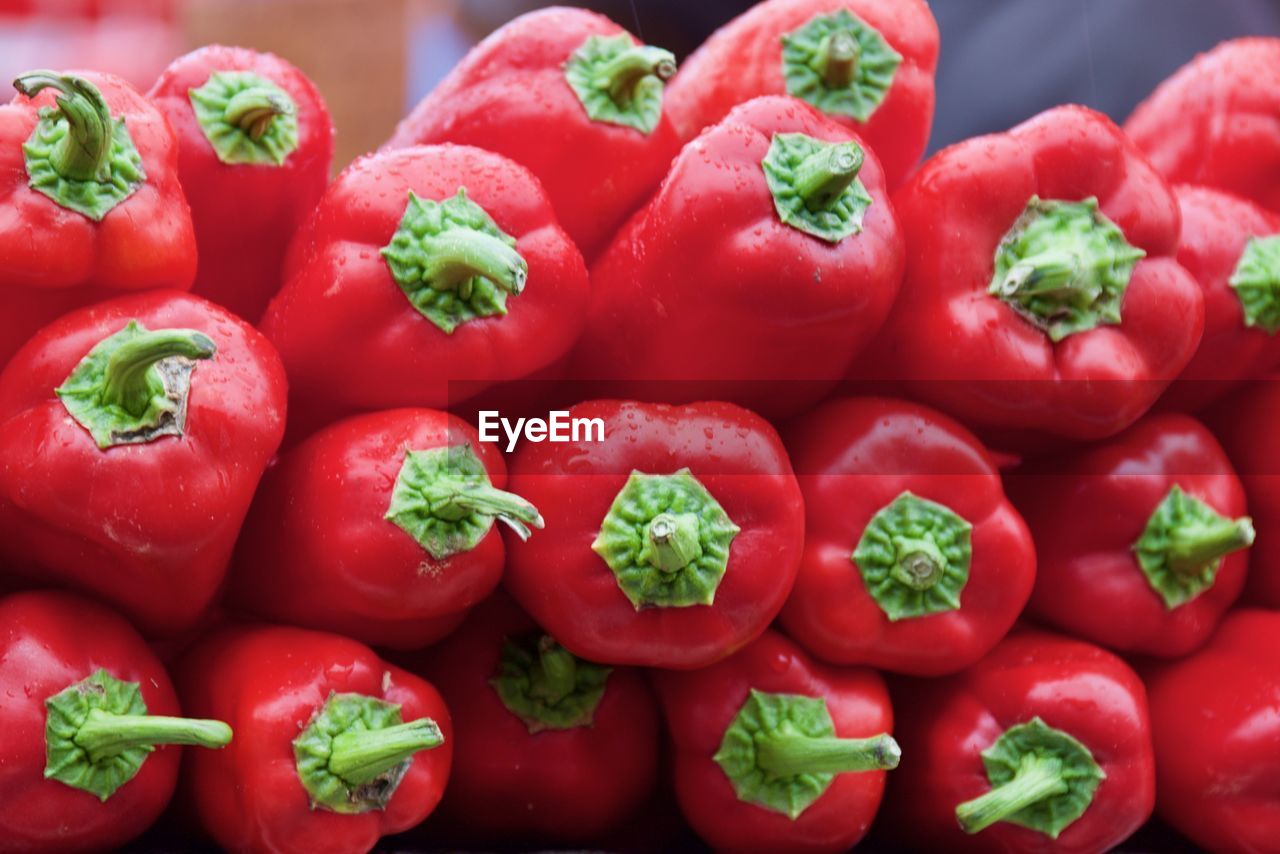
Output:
(255, 142)
(868, 64)
(1041, 291)
(334, 747)
(1139, 538)
(1214, 121)
(914, 560)
(91, 198)
(380, 527)
(547, 746)
(672, 542)
(85, 713)
(766, 262)
(572, 97)
(776, 752)
(1245, 423)
(1044, 745)
(425, 274)
(1215, 719)
(1232, 248)
(132, 437)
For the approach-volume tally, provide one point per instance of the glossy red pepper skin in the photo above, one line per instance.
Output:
(352, 341)
(1087, 510)
(1243, 422)
(48, 641)
(53, 259)
(1213, 122)
(1216, 227)
(1214, 718)
(743, 60)
(569, 589)
(148, 527)
(317, 550)
(710, 244)
(509, 96)
(267, 683)
(245, 214)
(853, 457)
(699, 705)
(944, 724)
(970, 353)
(566, 785)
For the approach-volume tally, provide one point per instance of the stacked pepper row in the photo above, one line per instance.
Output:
(819, 615)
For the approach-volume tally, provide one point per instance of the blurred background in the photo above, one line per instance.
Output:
(1002, 60)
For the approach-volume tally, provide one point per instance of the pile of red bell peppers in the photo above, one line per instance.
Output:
(933, 503)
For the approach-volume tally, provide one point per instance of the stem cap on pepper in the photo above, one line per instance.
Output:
(247, 118)
(815, 185)
(1183, 544)
(546, 686)
(1256, 281)
(620, 82)
(840, 64)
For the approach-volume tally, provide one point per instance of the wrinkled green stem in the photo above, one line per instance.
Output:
(126, 384)
(1194, 547)
(458, 255)
(557, 673)
(360, 756)
(838, 60)
(104, 735)
(673, 540)
(84, 153)
(625, 71)
(254, 109)
(822, 177)
(1036, 780)
(787, 755)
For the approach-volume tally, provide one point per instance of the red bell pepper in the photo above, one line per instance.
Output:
(255, 142)
(132, 436)
(1215, 720)
(775, 752)
(85, 713)
(1041, 292)
(1044, 745)
(774, 227)
(421, 270)
(1214, 121)
(547, 746)
(380, 527)
(334, 747)
(91, 197)
(671, 543)
(914, 560)
(868, 64)
(1245, 423)
(1139, 538)
(572, 97)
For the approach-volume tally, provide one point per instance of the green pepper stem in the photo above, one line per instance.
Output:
(673, 541)
(1053, 271)
(84, 153)
(1036, 780)
(1194, 547)
(822, 177)
(920, 563)
(104, 735)
(787, 755)
(456, 256)
(254, 109)
(620, 76)
(837, 60)
(125, 377)
(557, 673)
(360, 756)
(461, 501)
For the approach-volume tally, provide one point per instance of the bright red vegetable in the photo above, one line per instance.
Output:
(671, 543)
(1044, 745)
(546, 746)
(1216, 121)
(1245, 424)
(255, 142)
(132, 436)
(1041, 292)
(1139, 538)
(85, 713)
(334, 747)
(1232, 248)
(379, 527)
(424, 270)
(1215, 719)
(868, 64)
(572, 97)
(776, 752)
(89, 219)
(767, 261)
(914, 560)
